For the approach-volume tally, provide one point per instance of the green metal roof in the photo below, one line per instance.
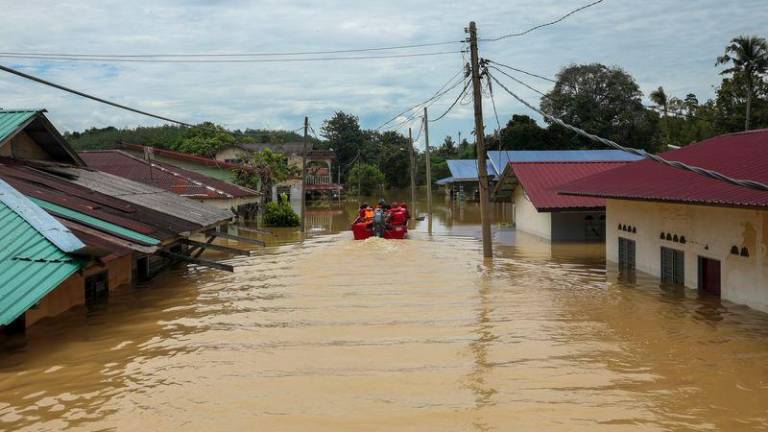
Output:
(31, 266)
(95, 222)
(12, 120)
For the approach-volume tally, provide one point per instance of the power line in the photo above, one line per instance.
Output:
(85, 95)
(751, 184)
(461, 95)
(272, 60)
(450, 85)
(495, 113)
(230, 55)
(522, 71)
(532, 29)
(519, 81)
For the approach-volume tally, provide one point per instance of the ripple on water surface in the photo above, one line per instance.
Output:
(423, 334)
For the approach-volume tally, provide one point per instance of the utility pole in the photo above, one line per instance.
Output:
(429, 171)
(412, 158)
(480, 138)
(304, 175)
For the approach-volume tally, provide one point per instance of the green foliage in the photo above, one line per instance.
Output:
(604, 101)
(205, 140)
(280, 214)
(265, 169)
(369, 176)
(163, 137)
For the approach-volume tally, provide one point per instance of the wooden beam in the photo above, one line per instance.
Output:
(201, 250)
(240, 239)
(197, 261)
(226, 249)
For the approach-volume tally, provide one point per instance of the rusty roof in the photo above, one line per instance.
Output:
(165, 176)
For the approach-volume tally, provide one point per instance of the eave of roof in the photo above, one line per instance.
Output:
(741, 155)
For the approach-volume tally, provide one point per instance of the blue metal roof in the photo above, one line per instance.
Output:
(444, 181)
(464, 170)
(39, 219)
(500, 159)
(31, 264)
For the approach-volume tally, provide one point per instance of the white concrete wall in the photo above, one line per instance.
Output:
(710, 232)
(231, 153)
(528, 219)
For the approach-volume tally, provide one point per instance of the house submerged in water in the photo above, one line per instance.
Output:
(689, 229)
(71, 234)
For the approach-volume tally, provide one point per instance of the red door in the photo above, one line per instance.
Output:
(709, 276)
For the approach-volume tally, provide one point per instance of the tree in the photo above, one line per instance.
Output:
(264, 170)
(369, 178)
(392, 157)
(659, 97)
(523, 133)
(749, 56)
(604, 101)
(205, 140)
(344, 136)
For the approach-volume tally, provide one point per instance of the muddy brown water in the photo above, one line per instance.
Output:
(419, 335)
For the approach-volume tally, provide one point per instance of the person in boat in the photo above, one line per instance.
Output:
(397, 215)
(379, 222)
(404, 206)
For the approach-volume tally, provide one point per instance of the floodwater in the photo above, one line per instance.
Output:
(419, 335)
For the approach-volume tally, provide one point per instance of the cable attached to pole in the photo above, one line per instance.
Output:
(751, 184)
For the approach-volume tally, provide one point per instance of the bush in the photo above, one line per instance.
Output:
(280, 214)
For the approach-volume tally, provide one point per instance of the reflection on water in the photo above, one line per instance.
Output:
(337, 335)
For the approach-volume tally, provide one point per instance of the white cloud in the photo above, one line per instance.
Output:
(673, 44)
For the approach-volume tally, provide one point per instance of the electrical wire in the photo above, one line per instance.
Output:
(751, 184)
(221, 55)
(521, 71)
(450, 85)
(540, 26)
(261, 60)
(95, 98)
(461, 95)
(493, 103)
(519, 81)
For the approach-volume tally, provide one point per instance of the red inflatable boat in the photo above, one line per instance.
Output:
(390, 223)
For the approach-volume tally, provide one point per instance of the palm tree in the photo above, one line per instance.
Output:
(749, 55)
(659, 97)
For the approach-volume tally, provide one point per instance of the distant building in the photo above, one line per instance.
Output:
(319, 167)
(689, 229)
(465, 179)
(538, 209)
(183, 182)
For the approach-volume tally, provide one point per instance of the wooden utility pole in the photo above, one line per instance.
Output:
(412, 158)
(429, 171)
(480, 139)
(304, 175)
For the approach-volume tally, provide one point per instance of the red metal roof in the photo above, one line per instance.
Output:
(186, 157)
(165, 176)
(741, 155)
(543, 180)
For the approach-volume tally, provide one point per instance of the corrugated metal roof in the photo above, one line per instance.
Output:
(465, 170)
(35, 182)
(742, 155)
(165, 176)
(444, 181)
(12, 120)
(500, 159)
(44, 223)
(542, 181)
(95, 222)
(146, 196)
(31, 266)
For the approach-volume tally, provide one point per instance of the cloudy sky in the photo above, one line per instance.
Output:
(672, 43)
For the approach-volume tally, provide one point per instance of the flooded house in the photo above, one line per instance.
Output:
(463, 184)
(689, 229)
(538, 208)
(129, 231)
(186, 183)
(319, 180)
